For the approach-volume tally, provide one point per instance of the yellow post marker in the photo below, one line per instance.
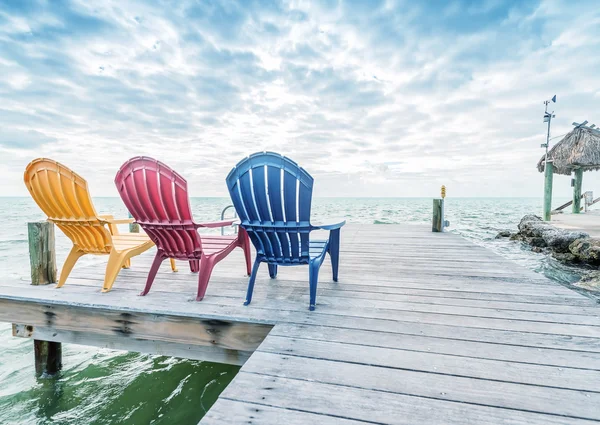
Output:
(443, 191)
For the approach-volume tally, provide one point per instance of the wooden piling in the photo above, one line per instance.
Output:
(577, 190)
(549, 173)
(133, 227)
(42, 255)
(437, 223)
(48, 357)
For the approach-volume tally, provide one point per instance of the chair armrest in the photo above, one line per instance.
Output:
(223, 223)
(112, 220)
(112, 223)
(329, 224)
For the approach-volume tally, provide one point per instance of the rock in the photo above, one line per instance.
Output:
(567, 246)
(559, 240)
(590, 281)
(590, 286)
(528, 221)
(504, 234)
(537, 242)
(531, 226)
(587, 250)
(539, 233)
(565, 257)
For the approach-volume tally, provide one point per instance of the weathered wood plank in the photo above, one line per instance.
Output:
(233, 412)
(496, 370)
(578, 404)
(373, 406)
(166, 282)
(121, 342)
(234, 288)
(449, 344)
(337, 296)
(135, 325)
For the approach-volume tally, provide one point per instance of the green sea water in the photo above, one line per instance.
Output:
(101, 386)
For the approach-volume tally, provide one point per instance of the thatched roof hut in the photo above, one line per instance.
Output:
(578, 149)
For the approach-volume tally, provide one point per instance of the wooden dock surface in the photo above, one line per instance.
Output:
(588, 222)
(422, 328)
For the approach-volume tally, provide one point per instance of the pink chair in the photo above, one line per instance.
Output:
(157, 197)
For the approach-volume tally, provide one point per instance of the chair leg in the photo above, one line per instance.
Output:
(313, 277)
(334, 251)
(72, 258)
(158, 259)
(245, 244)
(194, 266)
(206, 267)
(251, 282)
(173, 265)
(115, 262)
(127, 263)
(272, 270)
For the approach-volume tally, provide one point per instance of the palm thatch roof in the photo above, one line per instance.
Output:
(578, 149)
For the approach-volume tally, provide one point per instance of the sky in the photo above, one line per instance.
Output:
(373, 98)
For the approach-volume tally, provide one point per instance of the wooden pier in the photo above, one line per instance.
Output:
(422, 328)
(588, 222)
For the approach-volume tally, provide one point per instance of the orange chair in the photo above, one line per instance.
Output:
(63, 195)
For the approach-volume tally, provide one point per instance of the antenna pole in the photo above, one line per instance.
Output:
(548, 167)
(548, 133)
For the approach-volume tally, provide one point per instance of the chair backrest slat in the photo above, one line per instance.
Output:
(275, 193)
(64, 197)
(157, 197)
(272, 196)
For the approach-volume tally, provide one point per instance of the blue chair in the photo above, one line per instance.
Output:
(272, 196)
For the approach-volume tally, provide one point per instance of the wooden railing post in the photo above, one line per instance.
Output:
(42, 257)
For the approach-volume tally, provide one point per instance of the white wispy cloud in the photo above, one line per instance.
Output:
(386, 98)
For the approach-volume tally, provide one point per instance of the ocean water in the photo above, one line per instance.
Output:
(100, 386)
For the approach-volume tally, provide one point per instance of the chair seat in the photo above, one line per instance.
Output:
(316, 248)
(125, 241)
(212, 244)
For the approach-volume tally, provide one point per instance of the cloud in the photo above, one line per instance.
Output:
(385, 98)
(24, 140)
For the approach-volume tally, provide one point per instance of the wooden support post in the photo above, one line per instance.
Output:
(41, 252)
(437, 223)
(133, 227)
(48, 357)
(42, 256)
(549, 174)
(577, 190)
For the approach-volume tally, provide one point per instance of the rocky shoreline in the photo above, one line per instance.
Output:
(570, 247)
